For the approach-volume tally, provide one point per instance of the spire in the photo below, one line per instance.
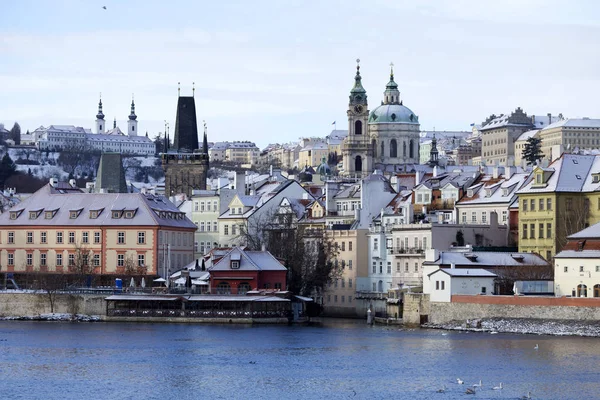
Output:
(178, 89)
(100, 114)
(205, 140)
(193, 88)
(433, 153)
(391, 94)
(358, 94)
(132, 116)
(115, 123)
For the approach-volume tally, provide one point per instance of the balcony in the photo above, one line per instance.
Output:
(405, 251)
(371, 295)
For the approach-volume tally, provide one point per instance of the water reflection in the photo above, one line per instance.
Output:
(336, 359)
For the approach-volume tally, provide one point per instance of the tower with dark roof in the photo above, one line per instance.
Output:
(110, 177)
(132, 122)
(185, 165)
(100, 123)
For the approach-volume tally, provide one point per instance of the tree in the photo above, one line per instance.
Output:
(532, 152)
(82, 265)
(7, 169)
(15, 133)
(572, 216)
(77, 158)
(50, 284)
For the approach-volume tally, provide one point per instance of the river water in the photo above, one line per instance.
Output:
(338, 359)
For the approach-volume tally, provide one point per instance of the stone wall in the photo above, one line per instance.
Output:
(416, 305)
(29, 304)
(472, 307)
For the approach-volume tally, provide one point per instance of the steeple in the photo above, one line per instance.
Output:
(433, 153)
(100, 124)
(391, 94)
(132, 123)
(358, 94)
(205, 140)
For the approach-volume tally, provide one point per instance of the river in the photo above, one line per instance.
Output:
(338, 359)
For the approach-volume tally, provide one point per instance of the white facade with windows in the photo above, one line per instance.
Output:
(444, 283)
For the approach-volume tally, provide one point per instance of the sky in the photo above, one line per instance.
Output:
(275, 71)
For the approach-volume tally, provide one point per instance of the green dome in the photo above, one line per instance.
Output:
(392, 113)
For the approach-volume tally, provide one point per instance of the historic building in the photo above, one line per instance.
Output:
(385, 137)
(499, 135)
(186, 166)
(569, 135)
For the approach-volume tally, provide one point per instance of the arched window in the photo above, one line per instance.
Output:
(596, 290)
(374, 146)
(358, 127)
(223, 288)
(411, 149)
(358, 164)
(243, 288)
(382, 150)
(581, 290)
(393, 148)
(404, 149)
(380, 286)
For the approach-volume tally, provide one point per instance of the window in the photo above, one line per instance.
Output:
(375, 244)
(86, 237)
(226, 230)
(549, 204)
(59, 237)
(541, 204)
(234, 230)
(29, 237)
(374, 287)
(349, 299)
(389, 267)
(329, 298)
(531, 231)
(120, 237)
(349, 282)
(29, 259)
(343, 299)
(335, 298)
(43, 257)
(208, 226)
(504, 216)
(11, 237)
(464, 217)
(581, 268)
(343, 246)
(195, 206)
(141, 260)
(349, 246)
(59, 260)
(71, 260)
(11, 259)
(532, 204)
(398, 266)
(597, 268)
(381, 267)
(524, 231)
(484, 217)
(96, 237)
(443, 285)
(215, 226)
(141, 237)
(541, 231)
(201, 226)
(538, 178)
(43, 237)
(524, 205)
(343, 283)
(566, 269)
(473, 216)
(71, 237)
(406, 267)
(336, 283)
(374, 267)
(120, 260)
(350, 264)
(96, 260)
(548, 255)
(425, 243)
(416, 267)
(202, 207)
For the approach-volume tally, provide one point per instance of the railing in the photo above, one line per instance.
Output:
(197, 313)
(371, 295)
(405, 250)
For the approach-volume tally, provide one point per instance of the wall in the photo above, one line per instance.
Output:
(472, 307)
(565, 283)
(415, 306)
(26, 304)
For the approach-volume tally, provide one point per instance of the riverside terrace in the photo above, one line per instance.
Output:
(207, 308)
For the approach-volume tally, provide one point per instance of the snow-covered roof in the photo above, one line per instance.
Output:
(99, 137)
(249, 261)
(476, 272)
(568, 174)
(489, 190)
(578, 254)
(591, 232)
(487, 259)
(575, 123)
(526, 135)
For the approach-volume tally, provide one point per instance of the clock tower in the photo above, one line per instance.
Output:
(356, 152)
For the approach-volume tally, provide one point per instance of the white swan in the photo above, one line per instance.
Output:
(536, 347)
(459, 381)
(477, 384)
(528, 397)
(497, 387)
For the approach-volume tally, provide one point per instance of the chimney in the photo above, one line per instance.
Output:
(452, 266)
(533, 119)
(435, 171)
(239, 182)
(549, 118)
(417, 178)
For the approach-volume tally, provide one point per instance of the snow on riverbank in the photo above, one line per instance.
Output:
(524, 326)
(55, 317)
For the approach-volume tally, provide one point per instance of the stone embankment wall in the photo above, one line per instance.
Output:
(474, 307)
(30, 304)
(416, 306)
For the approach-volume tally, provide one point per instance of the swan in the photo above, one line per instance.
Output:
(477, 384)
(536, 347)
(470, 391)
(498, 387)
(459, 381)
(528, 397)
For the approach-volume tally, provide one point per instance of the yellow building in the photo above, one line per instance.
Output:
(312, 154)
(61, 229)
(558, 201)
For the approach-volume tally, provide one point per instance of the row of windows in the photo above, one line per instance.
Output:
(343, 246)
(419, 243)
(85, 237)
(205, 206)
(389, 267)
(581, 269)
(340, 282)
(71, 259)
(440, 285)
(529, 204)
(484, 217)
(530, 228)
(335, 298)
(337, 263)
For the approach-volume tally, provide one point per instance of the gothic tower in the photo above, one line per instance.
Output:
(100, 123)
(356, 152)
(132, 122)
(185, 165)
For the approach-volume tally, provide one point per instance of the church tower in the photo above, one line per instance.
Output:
(132, 122)
(100, 123)
(356, 151)
(185, 165)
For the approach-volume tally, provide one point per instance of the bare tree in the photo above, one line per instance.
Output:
(81, 266)
(572, 216)
(51, 284)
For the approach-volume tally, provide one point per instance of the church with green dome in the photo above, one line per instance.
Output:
(384, 138)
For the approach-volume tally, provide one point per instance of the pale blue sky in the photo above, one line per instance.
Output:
(274, 71)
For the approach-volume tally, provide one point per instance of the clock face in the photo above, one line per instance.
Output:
(358, 109)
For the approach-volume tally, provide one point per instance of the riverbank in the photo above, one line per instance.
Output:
(523, 326)
(55, 317)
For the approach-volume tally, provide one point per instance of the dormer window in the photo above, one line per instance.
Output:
(504, 191)
(470, 193)
(49, 214)
(34, 214)
(488, 192)
(539, 178)
(596, 178)
(235, 264)
(129, 214)
(117, 214)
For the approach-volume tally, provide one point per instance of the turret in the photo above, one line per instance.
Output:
(100, 123)
(132, 122)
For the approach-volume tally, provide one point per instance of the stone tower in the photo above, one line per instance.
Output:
(132, 122)
(356, 150)
(185, 165)
(110, 177)
(100, 123)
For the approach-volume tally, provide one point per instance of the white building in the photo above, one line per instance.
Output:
(444, 283)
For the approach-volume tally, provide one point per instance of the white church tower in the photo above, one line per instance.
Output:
(100, 123)
(132, 123)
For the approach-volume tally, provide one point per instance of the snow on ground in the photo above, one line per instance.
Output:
(524, 326)
(55, 317)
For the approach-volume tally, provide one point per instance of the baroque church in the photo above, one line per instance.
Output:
(382, 139)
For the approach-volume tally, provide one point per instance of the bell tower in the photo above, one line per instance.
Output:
(356, 150)
(100, 123)
(132, 122)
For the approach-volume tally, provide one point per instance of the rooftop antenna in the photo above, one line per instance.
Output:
(193, 88)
